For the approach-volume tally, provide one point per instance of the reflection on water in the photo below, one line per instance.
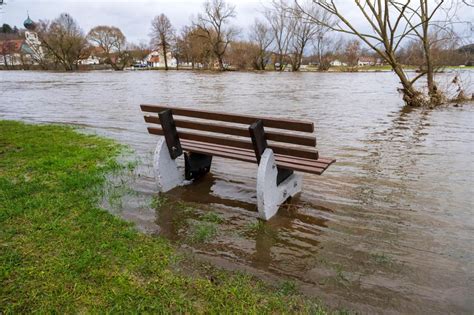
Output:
(388, 228)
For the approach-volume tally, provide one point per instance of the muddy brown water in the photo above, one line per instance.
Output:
(388, 229)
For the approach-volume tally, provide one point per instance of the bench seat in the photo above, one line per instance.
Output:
(284, 161)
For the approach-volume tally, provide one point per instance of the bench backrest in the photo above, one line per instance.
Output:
(236, 129)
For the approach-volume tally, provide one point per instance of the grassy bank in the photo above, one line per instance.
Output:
(60, 252)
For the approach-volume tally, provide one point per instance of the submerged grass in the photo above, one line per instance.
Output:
(202, 232)
(381, 258)
(212, 217)
(60, 253)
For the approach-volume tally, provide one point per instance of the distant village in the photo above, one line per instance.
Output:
(61, 44)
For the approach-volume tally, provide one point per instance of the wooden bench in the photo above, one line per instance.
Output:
(200, 135)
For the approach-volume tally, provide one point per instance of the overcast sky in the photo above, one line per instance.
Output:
(134, 17)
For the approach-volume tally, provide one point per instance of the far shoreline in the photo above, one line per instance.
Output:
(371, 69)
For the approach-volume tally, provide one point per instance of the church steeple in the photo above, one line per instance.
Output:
(29, 24)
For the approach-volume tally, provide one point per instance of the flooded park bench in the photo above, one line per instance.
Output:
(244, 138)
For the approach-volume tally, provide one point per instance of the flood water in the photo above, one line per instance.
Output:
(389, 228)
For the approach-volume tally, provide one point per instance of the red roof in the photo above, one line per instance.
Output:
(155, 59)
(367, 59)
(97, 50)
(11, 46)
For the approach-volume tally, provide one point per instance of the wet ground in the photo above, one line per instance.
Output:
(389, 228)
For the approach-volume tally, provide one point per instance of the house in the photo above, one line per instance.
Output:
(93, 56)
(15, 52)
(337, 63)
(90, 60)
(366, 61)
(156, 59)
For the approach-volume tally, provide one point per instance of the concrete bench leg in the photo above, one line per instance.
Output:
(167, 173)
(269, 195)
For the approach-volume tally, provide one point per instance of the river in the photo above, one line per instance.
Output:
(389, 228)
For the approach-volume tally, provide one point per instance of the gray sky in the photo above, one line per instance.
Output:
(134, 17)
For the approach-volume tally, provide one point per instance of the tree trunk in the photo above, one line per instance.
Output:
(165, 57)
(434, 94)
(296, 64)
(411, 96)
(221, 62)
(5, 61)
(114, 65)
(262, 62)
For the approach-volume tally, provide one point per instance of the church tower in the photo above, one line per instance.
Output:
(32, 39)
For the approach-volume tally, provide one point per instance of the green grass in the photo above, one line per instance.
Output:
(212, 217)
(202, 232)
(288, 288)
(255, 226)
(61, 253)
(158, 201)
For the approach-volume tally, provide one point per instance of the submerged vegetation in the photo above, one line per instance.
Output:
(61, 253)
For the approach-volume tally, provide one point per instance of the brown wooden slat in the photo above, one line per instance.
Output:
(291, 166)
(280, 160)
(231, 153)
(309, 141)
(297, 152)
(249, 154)
(225, 154)
(287, 124)
(326, 160)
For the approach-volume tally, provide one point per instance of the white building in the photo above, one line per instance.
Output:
(156, 59)
(91, 60)
(337, 63)
(366, 61)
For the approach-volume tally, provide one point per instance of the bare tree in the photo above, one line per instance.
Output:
(390, 22)
(243, 55)
(215, 29)
(63, 40)
(112, 41)
(261, 36)
(193, 47)
(139, 51)
(183, 46)
(420, 19)
(322, 39)
(327, 48)
(162, 35)
(303, 32)
(352, 52)
(178, 50)
(8, 50)
(281, 25)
